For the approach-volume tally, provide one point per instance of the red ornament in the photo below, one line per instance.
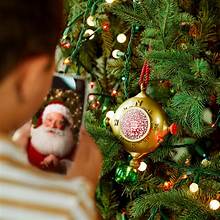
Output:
(167, 185)
(106, 26)
(65, 44)
(95, 105)
(114, 92)
(92, 85)
(212, 99)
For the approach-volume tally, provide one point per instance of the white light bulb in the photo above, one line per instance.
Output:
(117, 53)
(109, 1)
(143, 166)
(110, 114)
(67, 61)
(90, 21)
(214, 204)
(91, 97)
(205, 162)
(89, 32)
(193, 187)
(121, 38)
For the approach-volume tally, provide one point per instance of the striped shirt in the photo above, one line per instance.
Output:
(27, 193)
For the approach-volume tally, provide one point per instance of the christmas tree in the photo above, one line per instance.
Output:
(170, 50)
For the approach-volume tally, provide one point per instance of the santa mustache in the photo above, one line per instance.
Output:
(47, 142)
(55, 131)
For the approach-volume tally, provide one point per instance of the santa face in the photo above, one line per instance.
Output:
(55, 120)
(54, 136)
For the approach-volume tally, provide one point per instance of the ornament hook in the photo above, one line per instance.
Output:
(144, 76)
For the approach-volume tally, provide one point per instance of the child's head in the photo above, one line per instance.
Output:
(28, 28)
(29, 32)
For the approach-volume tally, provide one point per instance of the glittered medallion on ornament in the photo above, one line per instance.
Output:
(135, 124)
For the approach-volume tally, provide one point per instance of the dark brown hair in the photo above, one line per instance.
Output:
(28, 28)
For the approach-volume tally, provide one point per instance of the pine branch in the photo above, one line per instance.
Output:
(166, 18)
(74, 9)
(150, 8)
(129, 15)
(217, 89)
(107, 43)
(86, 57)
(196, 169)
(186, 18)
(179, 201)
(209, 187)
(187, 109)
(169, 55)
(107, 200)
(108, 144)
(215, 161)
(162, 152)
(146, 183)
(208, 27)
(150, 33)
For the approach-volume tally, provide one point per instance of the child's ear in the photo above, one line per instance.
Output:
(33, 74)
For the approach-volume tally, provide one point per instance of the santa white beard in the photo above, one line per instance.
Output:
(52, 141)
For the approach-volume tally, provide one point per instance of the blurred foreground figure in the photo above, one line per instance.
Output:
(29, 32)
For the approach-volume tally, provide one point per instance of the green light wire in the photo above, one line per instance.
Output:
(127, 66)
(128, 55)
(89, 8)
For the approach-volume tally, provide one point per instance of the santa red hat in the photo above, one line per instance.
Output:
(57, 107)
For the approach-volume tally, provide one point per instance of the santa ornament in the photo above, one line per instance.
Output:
(140, 123)
(51, 142)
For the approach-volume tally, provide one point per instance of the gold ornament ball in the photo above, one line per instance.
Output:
(141, 124)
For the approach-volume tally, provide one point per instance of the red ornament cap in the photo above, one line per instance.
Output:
(145, 75)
